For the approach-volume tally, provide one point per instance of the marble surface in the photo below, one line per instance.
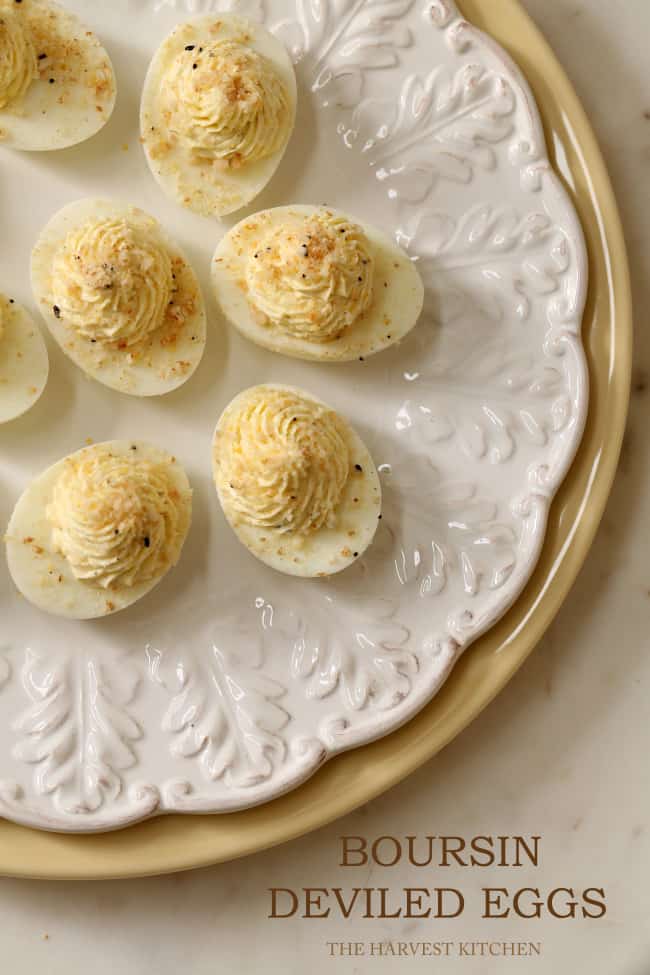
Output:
(562, 752)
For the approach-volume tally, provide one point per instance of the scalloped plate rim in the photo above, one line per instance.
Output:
(613, 449)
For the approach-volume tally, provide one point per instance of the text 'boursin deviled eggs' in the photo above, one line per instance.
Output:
(57, 85)
(218, 108)
(99, 529)
(296, 483)
(310, 282)
(23, 361)
(119, 297)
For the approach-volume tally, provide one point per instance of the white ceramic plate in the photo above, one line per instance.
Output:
(230, 684)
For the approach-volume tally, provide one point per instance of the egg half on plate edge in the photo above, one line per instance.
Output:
(97, 530)
(24, 364)
(57, 83)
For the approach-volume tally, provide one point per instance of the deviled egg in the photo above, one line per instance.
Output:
(312, 283)
(23, 360)
(119, 297)
(99, 529)
(295, 481)
(57, 85)
(218, 108)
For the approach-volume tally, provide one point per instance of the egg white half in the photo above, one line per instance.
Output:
(198, 186)
(329, 549)
(168, 356)
(24, 362)
(74, 94)
(44, 576)
(398, 292)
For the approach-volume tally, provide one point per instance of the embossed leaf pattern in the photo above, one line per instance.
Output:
(490, 430)
(440, 128)
(362, 658)
(225, 713)
(77, 730)
(483, 382)
(339, 40)
(449, 530)
(513, 257)
(468, 383)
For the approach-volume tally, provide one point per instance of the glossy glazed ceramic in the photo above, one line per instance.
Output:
(473, 420)
(355, 777)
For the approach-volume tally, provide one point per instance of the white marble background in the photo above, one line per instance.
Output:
(562, 751)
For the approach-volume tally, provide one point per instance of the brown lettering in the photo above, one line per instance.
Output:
(494, 902)
(414, 897)
(346, 909)
(537, 905)
(440, 901)
(482, 845)
(313, 901)
(347, 852)
(593, 902)
(396, 850)
(412, 840)
(572, 904)
(274, 901)
(383, 909)
(447, 850)
(532, 854)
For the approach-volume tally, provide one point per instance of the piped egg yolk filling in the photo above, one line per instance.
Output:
(226, 102)
(112, 281)
(282, 463)
(18, 65)
(311, 278)
(116, 519)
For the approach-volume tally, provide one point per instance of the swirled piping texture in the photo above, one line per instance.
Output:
(227, 103)
(112, 281)
(18, 65)
(312, 278)
(117, 519)
(282, 462)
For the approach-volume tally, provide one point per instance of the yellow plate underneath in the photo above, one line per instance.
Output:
(179, 842)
